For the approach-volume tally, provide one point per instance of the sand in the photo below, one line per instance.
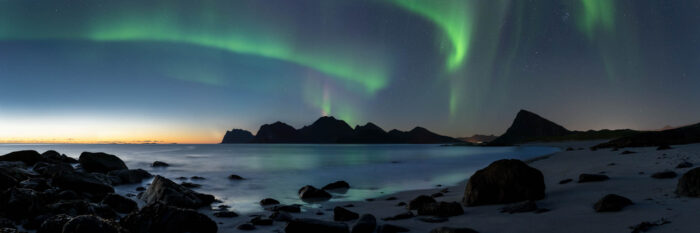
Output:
(571, 204)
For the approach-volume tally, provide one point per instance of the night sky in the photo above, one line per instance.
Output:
(186, 71)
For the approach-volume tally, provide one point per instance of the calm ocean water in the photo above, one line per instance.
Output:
(279, 170)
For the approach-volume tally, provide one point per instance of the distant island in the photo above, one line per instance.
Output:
(329, 130)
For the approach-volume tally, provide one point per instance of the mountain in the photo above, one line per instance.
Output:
(683, 135)
(528, 126)
(326, 129)
(478, 138)
(331, 130)
(277, 132)
(237, 136)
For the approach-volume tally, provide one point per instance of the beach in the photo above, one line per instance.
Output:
(570, 205)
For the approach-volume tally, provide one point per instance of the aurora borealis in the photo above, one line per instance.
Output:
(185, 71)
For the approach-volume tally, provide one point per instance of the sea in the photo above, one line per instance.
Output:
(279, 170)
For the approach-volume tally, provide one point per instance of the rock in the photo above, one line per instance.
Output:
(583, 178)
(338, 186)
(664, 147)
(504, 181)
(225, 214)
(198, 178)
(259, 221)
(312, 194)
(281, 216)
(342, 214)
(159, 218)
(7, 180)
(28, 157)
(401, 204)
(684, 165)
(564, 181)
(405, 215)
(190, 185)
(100, 162)
(627, 152)
(82, 182)
(366, 224)
(269, 201)
(235, 177)
(646, 226)
(36, 184)
(527, 206)
(611, 203)
(52, 170)
(420, 202)
(453, 230)
(82, 207)
(54, 157)
(170, 193)
(441, 209)
(689, 183)
(130, 176)
(390, 199)
(91, 224)
(287, 208)
(54, 224)
(160, 164)
(67, 195)
(119, 203)
(307, 225)
(664, 175)
(433, 219)
(18, 204)
(246, 227)
(389, 228)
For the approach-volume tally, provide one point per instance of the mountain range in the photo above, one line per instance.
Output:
(328, 129)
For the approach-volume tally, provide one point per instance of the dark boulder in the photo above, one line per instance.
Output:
(54, 157)
(342, 214)
(82, 207)
(689, 183)
(366, 224)
(287, 208)
(52, 169)
(268, 201)
(259, 221)
(170, 193)
(338, 186)
(54, 224)
(160, 164)
(91, 224)
(684, 165)
(7, 180)
(527, 206)
(583, 178)
(18, 204)
(664, 175)
(611, 203)
(312, 194)
(281, 216)
(441, 209)
(453, 230)
(389, 228)
(160, 218)
(235, 177)
(28, 157)
(307, 225)
(120, 203)
(190, 185)
(401, 216)
(100, 162)
(36, 184)
(420, 202)
(504, 181)
(82, 182)
(564, 181)
(130, 176)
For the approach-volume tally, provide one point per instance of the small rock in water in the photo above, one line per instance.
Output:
(319, 213)
(235, 177)
(401, 204)
(342, 214)
(583, 178)
(246, 227)
(441, 209)
(420, 201)
(527, 206)
(564, 181)
(269, 201)
(288, 208)
(664, 175)
(338, 186)
(433, 219)
(369, 199)
(259, 221)
(366, 224)
(390, 198)
(453, 230)
(400, 216)
(389, 228)
(611, 203)
(225, 214)
(190, 185)
(181, 178)
(684, 165)
(281, 216)
(160, 164)
(198, 178)
(140, 189)
(312, 194)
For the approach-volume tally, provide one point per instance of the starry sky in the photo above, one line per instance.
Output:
(185, 71)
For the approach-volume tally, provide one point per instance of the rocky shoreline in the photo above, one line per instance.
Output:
(51, 192)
